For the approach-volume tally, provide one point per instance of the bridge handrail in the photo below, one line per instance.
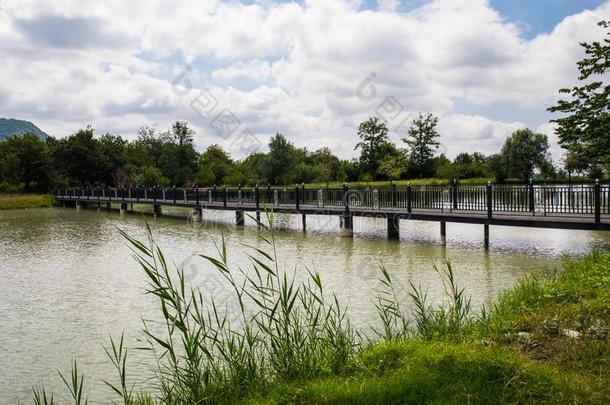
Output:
(493, 198)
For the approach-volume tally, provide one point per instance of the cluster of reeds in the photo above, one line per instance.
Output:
(286, 330)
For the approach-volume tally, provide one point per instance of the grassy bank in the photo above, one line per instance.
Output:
(282, 341)
(545, 341)
(22, 201)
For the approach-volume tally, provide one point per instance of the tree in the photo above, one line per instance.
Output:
(325, 165)
(280, 161)
(124, 176)
(394, 165)
(79, 158)
(25, 159)
(524, 151)
(422, 140)
(205, 176)
(218, 161)
(179, 156)
(498, 167)
(150, 176)
(111, 148)
(373, 145)
(182, 134)
(255, 166)
(464, 166)
(585, 128)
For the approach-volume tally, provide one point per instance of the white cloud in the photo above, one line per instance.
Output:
(286, 67)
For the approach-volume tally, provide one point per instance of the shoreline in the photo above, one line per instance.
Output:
(25, 201)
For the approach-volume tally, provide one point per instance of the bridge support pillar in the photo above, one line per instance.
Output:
(239, 218)
(393, 227)
(486, 236)
(157, 210)
(347, 225)
(258, 216)
(443, 233)
(304, 222)
(108, 206)
(123, 209)
(196, 215)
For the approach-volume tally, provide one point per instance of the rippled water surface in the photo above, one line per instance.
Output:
(68, 280)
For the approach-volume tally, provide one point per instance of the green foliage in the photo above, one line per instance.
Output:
(216, 161)
(25, 159)
(523, 152)
(374, 145)
(280, 162)
(79, 158)
(422, 142)
(205, 176)
(151, 177)
(464, 166)
(583, 129)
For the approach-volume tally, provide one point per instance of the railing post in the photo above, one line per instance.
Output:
(174, 193)
(224, 196)
(598, 201)
(409, 198)
(489, 200)
(297, 197)
(454, 194)
(197, 195)
(214, 193)
(257, 197)
(532, 200)
(303, 193)
(344, 197)
(269, 194)
(393, 193)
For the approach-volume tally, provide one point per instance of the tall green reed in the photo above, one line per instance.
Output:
(287, 326)
(286, 330)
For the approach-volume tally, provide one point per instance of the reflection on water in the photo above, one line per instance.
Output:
(68, 279)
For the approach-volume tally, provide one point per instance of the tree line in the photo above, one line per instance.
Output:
(168, 158)
(165, 158)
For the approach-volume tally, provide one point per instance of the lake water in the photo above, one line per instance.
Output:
(68, 279)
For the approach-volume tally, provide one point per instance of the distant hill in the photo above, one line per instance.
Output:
(10, 126)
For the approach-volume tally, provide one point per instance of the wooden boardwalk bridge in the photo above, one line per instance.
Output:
(585, 207)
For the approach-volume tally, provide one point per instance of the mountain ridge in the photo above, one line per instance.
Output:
(12, 126)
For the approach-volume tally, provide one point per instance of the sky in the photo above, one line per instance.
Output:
(312, 70)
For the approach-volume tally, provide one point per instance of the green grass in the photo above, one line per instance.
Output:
(292, 342)
(22, 201)
(577, 300)
(436, 373)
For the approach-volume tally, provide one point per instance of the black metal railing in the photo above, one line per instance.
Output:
(501, 199)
